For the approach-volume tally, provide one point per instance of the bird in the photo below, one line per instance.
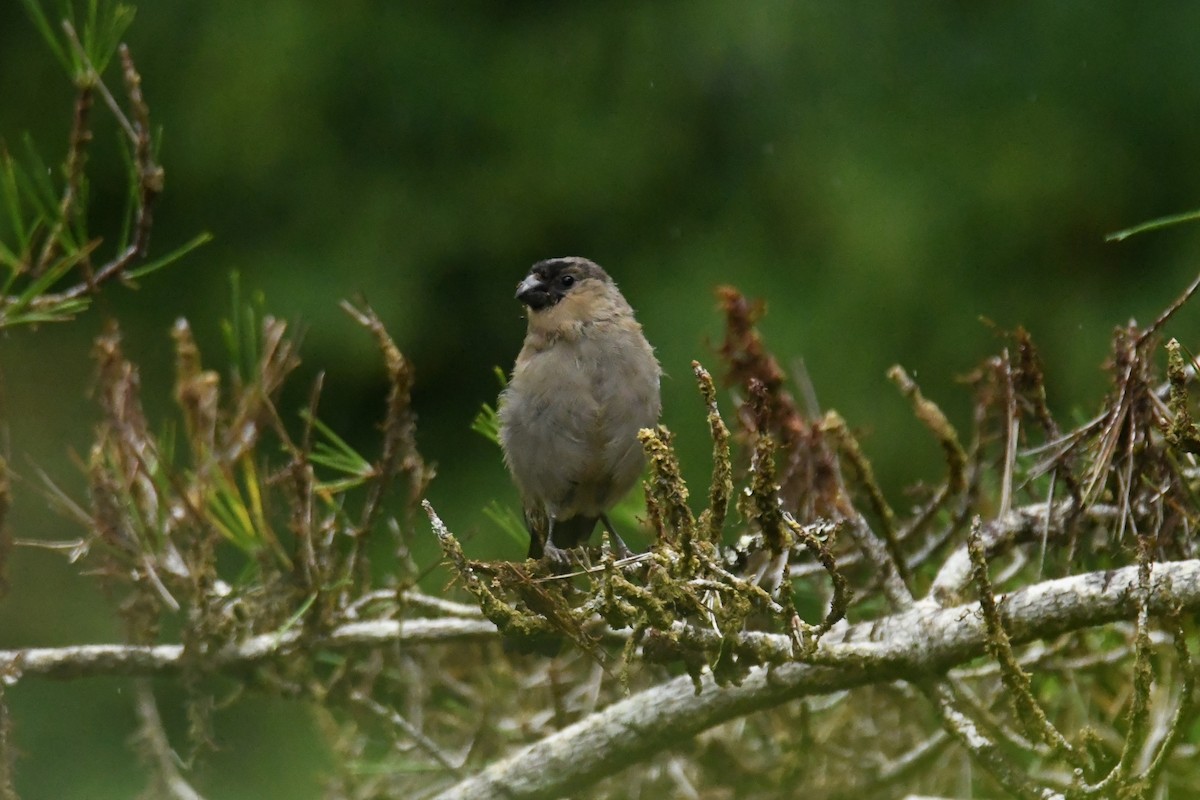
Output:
(585, 382)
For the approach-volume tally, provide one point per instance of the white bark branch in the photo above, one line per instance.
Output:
(88, 660)
(922, 642)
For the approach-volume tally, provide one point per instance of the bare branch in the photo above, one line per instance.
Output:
(91, 660)
(158, 747)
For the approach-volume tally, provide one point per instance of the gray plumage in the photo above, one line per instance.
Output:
(584, 383)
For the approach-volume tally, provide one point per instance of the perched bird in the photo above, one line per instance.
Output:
(585, 381)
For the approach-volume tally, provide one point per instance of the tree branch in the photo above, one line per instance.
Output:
(92, 660)
(915, 643)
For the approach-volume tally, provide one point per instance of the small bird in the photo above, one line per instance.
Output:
(584, 383)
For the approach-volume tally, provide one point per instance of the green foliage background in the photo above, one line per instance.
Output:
(883, 174)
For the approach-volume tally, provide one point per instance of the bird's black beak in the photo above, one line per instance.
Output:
(534, 293)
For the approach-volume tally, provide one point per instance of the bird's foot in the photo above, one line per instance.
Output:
(560, 557)
(619, 547)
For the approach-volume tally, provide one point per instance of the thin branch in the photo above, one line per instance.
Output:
(982, 748)
(150, 179)
(91, 660)
(158, 747)
(1016, 681)
(895, 769)
(394, 718)
(1026, 523)
(882, 550)
(1169, 312)
(8, 752)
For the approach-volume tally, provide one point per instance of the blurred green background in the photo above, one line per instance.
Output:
(885, 174)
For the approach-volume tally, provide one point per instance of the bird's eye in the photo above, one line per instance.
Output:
(566, 281)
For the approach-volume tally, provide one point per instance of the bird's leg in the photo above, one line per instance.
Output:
(553, 553)
(623, 550)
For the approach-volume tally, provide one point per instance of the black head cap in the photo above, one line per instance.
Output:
(551, 280)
